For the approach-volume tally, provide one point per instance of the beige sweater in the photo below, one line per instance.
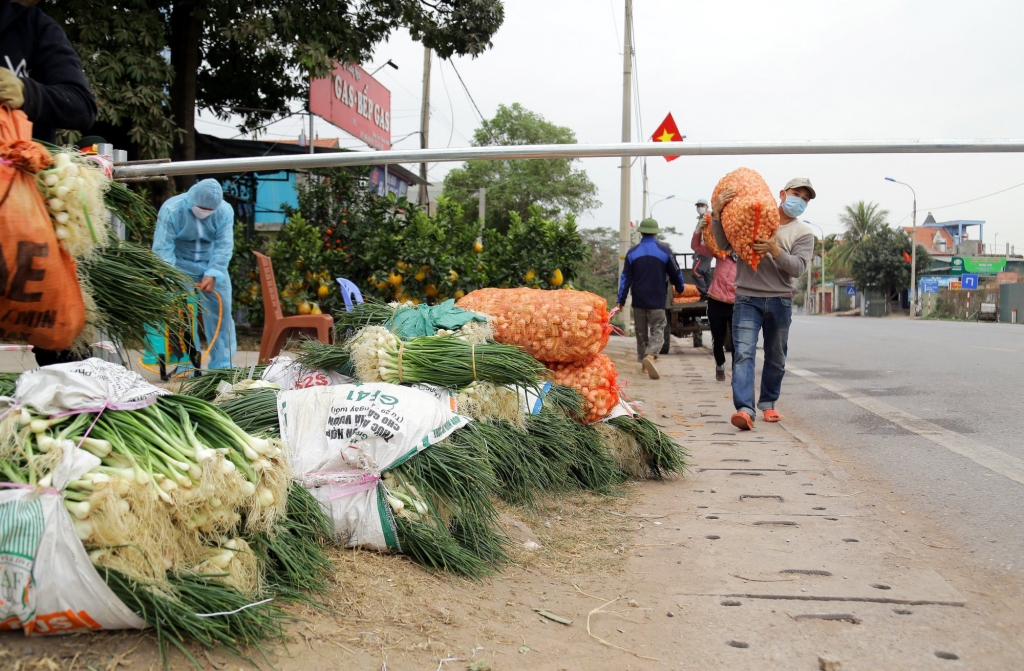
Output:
(774, 277)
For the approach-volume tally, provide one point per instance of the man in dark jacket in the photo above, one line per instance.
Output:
(644, 271)
(40, 74)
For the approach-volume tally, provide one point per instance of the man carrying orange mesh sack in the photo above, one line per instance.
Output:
(764, 300)
(644, 271)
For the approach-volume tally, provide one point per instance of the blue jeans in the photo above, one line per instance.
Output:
(751, 315)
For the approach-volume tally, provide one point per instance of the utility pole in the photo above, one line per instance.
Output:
(425, 124)
(312, 145)
(482, 211)
(627, 135)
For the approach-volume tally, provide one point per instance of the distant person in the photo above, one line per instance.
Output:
(646, 267)
(195, 233)
(721, 296)
(764, 301)
(41, 75)
(703, 275)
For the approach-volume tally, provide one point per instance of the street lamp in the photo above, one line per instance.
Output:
(379, 69)
(913, 252)
(810, 266)
(661, 201)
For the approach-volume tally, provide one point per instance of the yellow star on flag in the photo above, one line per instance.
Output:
(666, 136)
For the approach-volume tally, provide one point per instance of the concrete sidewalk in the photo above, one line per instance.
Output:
(769, 555)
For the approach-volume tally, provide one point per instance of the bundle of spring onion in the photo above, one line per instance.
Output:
(637, 446)
(440, 499)
(205, 386)
(379, 356)
(131, 287)
(8, 382)
(368, 313)
(133, 210)
(179, 488)
(658, 456)
(486, 402)
(73, 188)
(186, 514)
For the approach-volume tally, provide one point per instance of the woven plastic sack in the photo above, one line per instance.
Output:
(40, 300)
(556, 326)
(752, 213)
(708, 238)
(595, 378)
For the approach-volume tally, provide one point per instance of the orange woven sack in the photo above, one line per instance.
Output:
(560, 325)
(595, 378)
(40, 300)
(752, 214)
(708, 237)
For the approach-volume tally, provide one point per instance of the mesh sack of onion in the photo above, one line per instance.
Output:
(751, 214)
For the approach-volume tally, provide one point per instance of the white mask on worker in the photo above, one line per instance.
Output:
(200, 212)
(701, 209)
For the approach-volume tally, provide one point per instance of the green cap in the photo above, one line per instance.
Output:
(649, 226)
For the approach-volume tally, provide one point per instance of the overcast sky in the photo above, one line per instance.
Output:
(750, 70)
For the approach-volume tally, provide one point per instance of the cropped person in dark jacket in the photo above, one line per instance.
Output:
(646, 267)
(41, 74)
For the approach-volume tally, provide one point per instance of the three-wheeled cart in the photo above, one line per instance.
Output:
(686, 319)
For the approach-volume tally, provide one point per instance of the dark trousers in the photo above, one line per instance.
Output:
(720, 318)
(46, 357)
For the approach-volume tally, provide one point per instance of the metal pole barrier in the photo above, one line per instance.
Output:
(354, 158)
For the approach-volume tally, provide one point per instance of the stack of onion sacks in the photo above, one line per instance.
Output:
(751, 214)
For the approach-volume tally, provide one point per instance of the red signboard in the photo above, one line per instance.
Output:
(355, 102)
(1007, 278)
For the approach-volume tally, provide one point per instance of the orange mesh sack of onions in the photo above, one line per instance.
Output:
(595, 378)
(550, 325)
(691, 294)
(751, 214)
(708, 237)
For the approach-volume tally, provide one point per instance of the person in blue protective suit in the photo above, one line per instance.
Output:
(195, 234)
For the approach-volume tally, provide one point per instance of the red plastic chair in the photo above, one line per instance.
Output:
(275, 325)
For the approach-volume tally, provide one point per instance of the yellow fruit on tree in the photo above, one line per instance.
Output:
(556, 278)
(425, 269)
(382, 285)
(395, 279)
(323, 291)
(415, 301)
(420, 276)
(400, 265)
(305, 308)
(459, 293)
(453, 276)
(316, 309)
(430, 290)
(530, 275)
(478, 246)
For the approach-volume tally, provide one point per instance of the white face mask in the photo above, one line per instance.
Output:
(200, 212)
(701, 209)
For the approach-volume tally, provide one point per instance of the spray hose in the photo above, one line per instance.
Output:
(206, 353)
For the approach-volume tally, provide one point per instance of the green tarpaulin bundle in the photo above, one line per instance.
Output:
(424, 320)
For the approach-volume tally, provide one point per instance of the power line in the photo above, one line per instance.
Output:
(451, 108)
(964, 202)
(466, 89)
(615, 26)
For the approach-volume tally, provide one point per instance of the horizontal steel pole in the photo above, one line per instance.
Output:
(354, 158)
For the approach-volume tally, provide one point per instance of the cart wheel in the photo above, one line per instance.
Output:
(698, 339)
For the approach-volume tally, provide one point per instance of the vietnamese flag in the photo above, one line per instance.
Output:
(668, 132)
(906, 257)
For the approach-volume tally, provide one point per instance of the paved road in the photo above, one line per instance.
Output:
(935, 408)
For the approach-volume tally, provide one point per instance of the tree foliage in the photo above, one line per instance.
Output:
(601, 274)
(554, 186)
(152, 63)
(860, 221)
(393, 250)
(878, 261)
